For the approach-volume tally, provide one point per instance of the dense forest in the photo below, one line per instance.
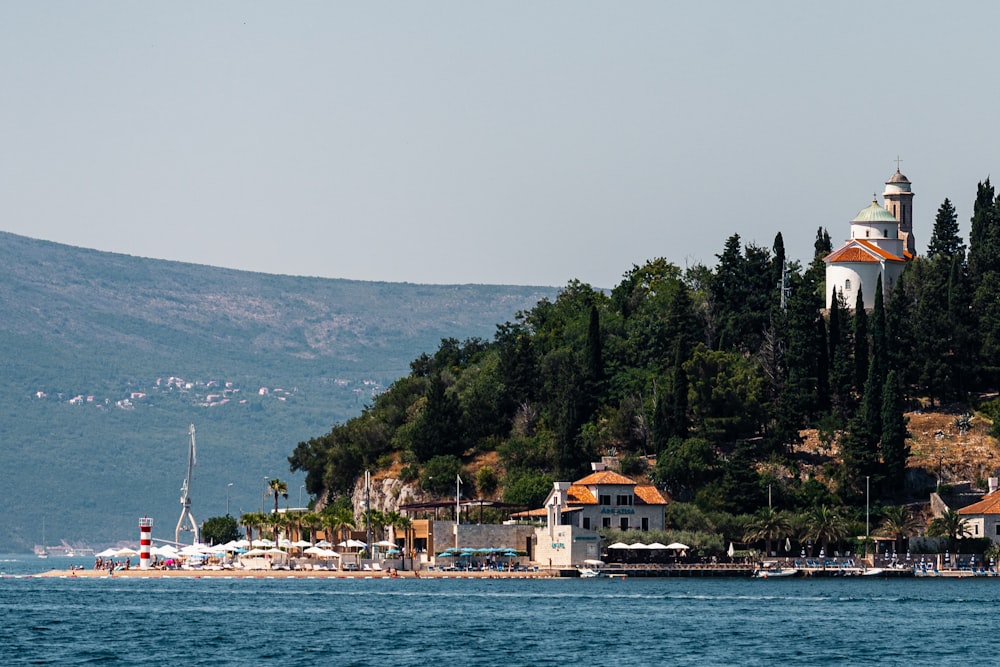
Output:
(701, 379)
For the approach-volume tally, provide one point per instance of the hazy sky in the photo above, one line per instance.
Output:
(484, 142)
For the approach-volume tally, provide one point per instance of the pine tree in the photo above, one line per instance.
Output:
(945, 240)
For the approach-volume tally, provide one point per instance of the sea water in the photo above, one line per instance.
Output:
(465, 622)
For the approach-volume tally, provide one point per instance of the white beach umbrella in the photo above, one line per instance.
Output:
(166, 550)
(263, 542)
(315, 551)
(125, 552)
(656, 545)
(678, 545)
(637, 545)
(352, 544)
(619, 545)
(301, 544)
(107, 553)
(324, 543)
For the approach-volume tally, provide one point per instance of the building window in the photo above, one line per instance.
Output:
(847, 285)
(645, 523)
(998, 528)
(606, 522)
(586, 523)
(623, 523)
(624, 500)
(605, 499)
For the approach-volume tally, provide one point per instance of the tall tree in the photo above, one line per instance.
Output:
(894, 449)
(945, 240)
(861, 343)
(841, 371)
(439, 429)
(984, 236)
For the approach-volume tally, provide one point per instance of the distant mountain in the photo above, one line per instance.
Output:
(107, 358)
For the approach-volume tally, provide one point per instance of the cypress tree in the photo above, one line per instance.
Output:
(894, 449)
(860, 341)
(841, 372)
(984, 237)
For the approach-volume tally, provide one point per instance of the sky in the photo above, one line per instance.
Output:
(528, 143)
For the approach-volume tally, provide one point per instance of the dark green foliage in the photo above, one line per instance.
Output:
(860, 340)
(945, 240)
(984, 236)
(685, 466)
(893, 445)
(527, 489)
(724, 395)
(841, 370)
(220, 529)
(439, 428)
(440, 474)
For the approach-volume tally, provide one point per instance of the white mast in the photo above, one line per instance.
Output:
(186, 496)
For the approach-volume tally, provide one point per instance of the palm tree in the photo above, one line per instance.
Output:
(952, 525)
(767, 524)
(339, 522)
(898, 523)
(250, 521)
(276, 522)
(277, 487)
(823, 525)
(311, 521)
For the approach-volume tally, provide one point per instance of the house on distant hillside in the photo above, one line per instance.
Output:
(880, 244)
(574, 511)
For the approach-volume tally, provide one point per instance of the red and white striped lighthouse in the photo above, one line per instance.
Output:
(145, 540)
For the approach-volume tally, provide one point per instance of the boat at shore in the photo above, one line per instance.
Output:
(775, 572)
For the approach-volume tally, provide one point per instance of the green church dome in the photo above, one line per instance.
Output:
(874, 213)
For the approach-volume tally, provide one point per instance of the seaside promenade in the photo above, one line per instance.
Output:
(137, 573)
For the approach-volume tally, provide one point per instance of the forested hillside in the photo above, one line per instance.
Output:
(711, 372)
(107, 359)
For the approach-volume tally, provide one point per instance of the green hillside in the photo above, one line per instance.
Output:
(107, 358)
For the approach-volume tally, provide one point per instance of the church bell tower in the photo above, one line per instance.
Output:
(898, 200)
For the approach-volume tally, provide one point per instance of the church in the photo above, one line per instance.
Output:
(880, 244)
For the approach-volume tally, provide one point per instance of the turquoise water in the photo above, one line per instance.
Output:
(466, 622)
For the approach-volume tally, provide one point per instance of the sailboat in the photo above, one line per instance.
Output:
(40, 549)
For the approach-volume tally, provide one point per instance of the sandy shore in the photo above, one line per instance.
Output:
(294, 574)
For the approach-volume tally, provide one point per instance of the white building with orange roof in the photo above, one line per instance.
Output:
(880, 244)
(574, 511)
(983, 518)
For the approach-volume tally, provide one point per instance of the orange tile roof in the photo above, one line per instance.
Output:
(860, 250)
(604, 477)
(850, 254)
(650, 495)
(990, 504)
(878, 251)
(580, 495)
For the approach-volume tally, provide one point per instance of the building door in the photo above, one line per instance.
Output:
(623, 523)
